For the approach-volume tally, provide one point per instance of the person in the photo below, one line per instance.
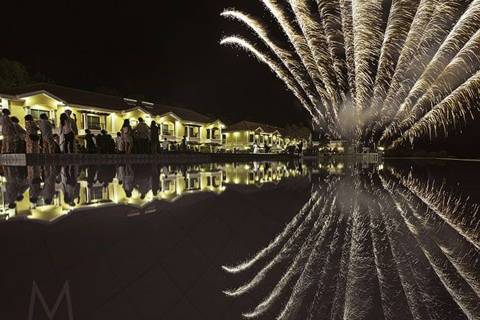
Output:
(8, 132)
(73, 122)
(184, 143)
(46, 128)
(154, 137)
(67, 130)
(19, 136)
(127, 136)
(101, 145)
(32, 137)
(90, 142)
(141, 136)
(300, 148)
(255, 148)
(119, 143)
(110, 144)
(56, 143)
(165, 144)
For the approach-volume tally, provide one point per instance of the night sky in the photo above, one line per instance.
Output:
(167, 52)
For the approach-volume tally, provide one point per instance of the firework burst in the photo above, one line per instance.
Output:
(383, 72)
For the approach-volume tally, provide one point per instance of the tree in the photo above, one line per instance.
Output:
(13, 74)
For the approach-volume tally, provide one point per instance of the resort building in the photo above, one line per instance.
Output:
(244, 135)
(98, 112)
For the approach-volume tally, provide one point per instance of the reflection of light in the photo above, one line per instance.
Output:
(381, 148)
(380, 167)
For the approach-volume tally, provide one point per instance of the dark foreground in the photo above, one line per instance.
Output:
(398, 240)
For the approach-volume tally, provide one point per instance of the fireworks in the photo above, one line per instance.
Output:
(384, 73)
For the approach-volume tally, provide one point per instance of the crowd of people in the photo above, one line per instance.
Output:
(43, 137)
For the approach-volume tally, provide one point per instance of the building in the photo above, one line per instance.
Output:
(98, 112)
(242, 137)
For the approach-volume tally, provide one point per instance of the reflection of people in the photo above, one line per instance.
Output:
(34, 181)
(11, 186)
(128, 180)
(48, 191)
(255, 148)
(69, 184)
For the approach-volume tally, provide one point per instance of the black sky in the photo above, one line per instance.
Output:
(165, 50)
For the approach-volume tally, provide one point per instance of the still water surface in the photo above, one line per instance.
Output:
(396, 240)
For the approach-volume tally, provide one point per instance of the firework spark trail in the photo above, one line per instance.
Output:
(368, 29)
(466, 27)
(398, 27)
(451, 111)
(303, 292)
(358, 295)
(463, 66)
(321, 231)
(289, 59)
(456, 286)
(462, 255)
(316, 41)
(347, 26)
(411, 46)
(301, 47)
(330, 16)
(288, 233)
(288, 251)
(445, 15)
(446, 206)
(393, 298)
(276, 68)
(338, 304)
(328, 280)
(413, 293)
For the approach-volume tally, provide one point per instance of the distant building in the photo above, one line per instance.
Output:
(244, 135)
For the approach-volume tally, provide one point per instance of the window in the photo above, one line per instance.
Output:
(224, 138)
(37, 112)
(209, 133)
(192, 132)
(251, 137)
(166, 130)
(93, 122)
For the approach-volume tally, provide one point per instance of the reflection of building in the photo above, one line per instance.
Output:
(169, 184)
(242, 136)
(96, 111)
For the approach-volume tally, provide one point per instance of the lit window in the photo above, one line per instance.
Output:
(36, 113)
(94, 122)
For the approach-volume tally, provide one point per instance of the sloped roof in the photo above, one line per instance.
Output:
(104, 101)
(75, 96)
(251, 126)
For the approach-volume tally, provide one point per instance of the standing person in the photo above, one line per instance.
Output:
(32, 137)
(90, 142)
(165, 144)
(46, 128)
(8, 132)
(154, 137)
(184, 144)
(119, 143)
(300, 148)
(19, 136)
(127, 136)
(66, 124)
(142, 136)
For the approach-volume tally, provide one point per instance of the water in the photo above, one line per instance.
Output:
(313, 240)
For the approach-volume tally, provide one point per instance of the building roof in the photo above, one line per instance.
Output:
(104, 101)
(251, 126)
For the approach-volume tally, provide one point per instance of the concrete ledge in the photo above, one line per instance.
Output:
(170, 157)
